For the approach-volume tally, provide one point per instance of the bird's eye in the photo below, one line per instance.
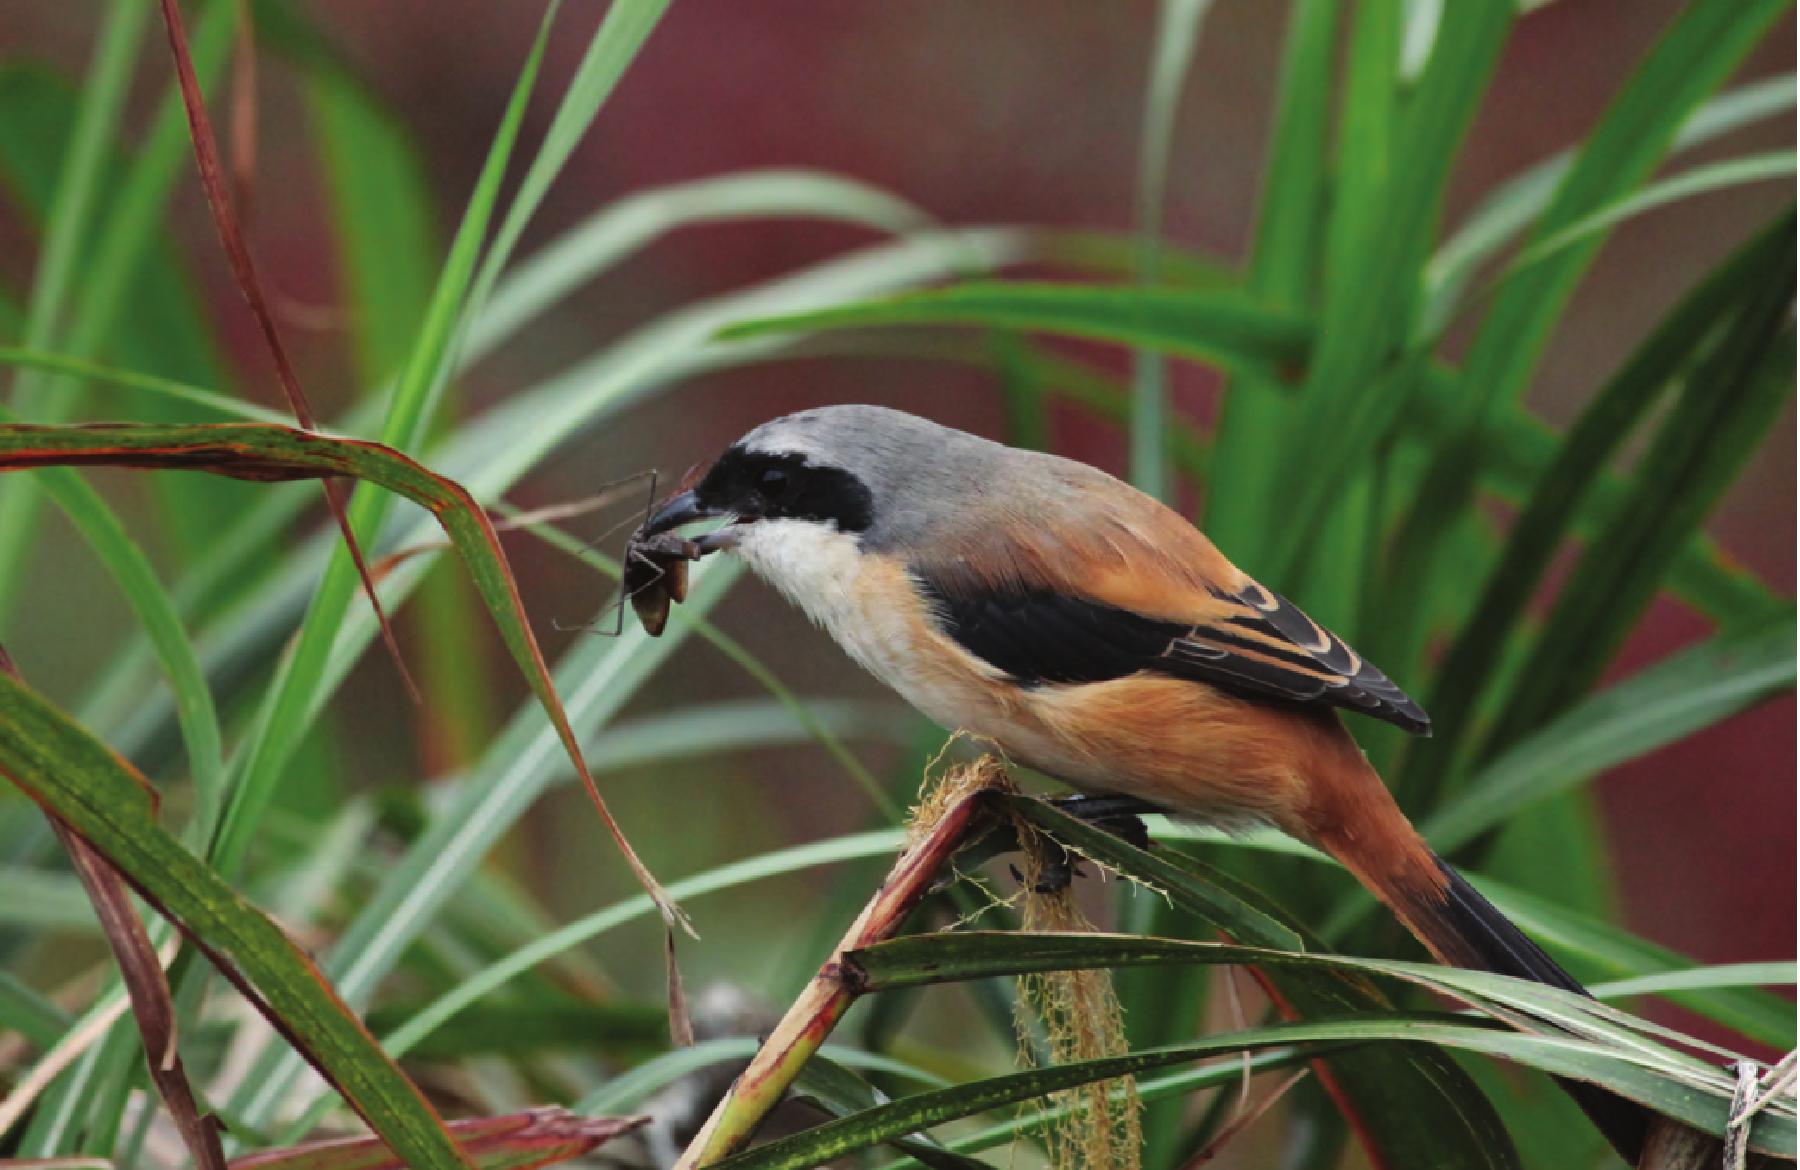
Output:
(774, 483)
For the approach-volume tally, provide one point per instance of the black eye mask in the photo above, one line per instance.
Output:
(760, 486)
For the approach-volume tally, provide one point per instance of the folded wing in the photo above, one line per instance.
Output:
(1248, 640)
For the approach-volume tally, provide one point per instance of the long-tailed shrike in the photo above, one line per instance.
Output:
(1097, 636)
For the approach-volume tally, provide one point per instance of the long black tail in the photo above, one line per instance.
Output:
(1470, 932)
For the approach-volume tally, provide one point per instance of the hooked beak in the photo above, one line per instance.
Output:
(685, 508)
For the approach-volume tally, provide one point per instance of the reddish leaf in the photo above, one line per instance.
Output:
(243, 269)
(517, 1141)
(152, 1005)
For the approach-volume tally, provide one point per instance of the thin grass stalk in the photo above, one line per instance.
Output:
(825, 1000)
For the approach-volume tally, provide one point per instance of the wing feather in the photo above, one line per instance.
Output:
(1252, 642)
(1099, 582)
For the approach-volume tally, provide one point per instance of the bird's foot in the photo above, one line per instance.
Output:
(1118, 815)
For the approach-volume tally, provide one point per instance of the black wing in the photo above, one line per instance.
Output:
(1260, 645)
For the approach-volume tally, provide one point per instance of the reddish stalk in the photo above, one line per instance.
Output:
(810, 1020)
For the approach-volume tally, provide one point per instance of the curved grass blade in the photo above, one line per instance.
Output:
(1561, 1057)
(1720, 975)
(611, 234)
(1598, 946)
(829, 852)
(598, 677)
(959, 956)
(839, 1092)
(130, 568)
(1701, 180)
(77, 779)
(1660, 704)
(169, 388)
(265, 453)
(1510, 208)
(1223, 327)
(1698, 50)
(1149, 1089)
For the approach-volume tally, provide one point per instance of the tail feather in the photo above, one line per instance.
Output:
(1350, 814)
(1487, 940)
(1466, 930)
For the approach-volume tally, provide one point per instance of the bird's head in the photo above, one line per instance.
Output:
(836, 477)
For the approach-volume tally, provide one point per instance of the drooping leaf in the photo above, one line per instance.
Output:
(273, 453)
(1565, 1058)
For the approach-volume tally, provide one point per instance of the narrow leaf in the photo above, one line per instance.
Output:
(77, 779)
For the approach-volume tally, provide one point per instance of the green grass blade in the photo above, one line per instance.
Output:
(1566, 488)
(1223, 327)
(1659, 705)
(630, 224)
(110, 265)
(126, 562)
(1701, 180)
(1509, 210)
(295, 695)
(1177, 35)
(30, 1013)
(68, 229)
(1700, 979)
(1561, 1057)
(80, 780)
(1604, 950)
(960, 956)
(1149, 1090)
(1284, 270)
(267, 452)
(74, 201)
(1700, 48)
(1694, 55)
(615, 45)
(598, 677)
(836, 850)
(630, 1089)
(1372, 292)
(1733, 397)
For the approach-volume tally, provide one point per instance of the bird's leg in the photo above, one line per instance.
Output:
(1118, 815)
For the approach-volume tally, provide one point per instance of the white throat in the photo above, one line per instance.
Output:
(823, 571)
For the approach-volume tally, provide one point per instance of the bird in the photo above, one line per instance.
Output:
(1095, 635)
